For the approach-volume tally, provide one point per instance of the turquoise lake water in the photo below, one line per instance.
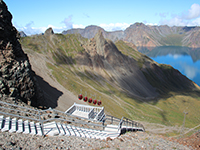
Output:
(179, 58)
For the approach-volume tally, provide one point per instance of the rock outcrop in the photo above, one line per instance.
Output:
(49, 31)
(107, 61)
(17, 79)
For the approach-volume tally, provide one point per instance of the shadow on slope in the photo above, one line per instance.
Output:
(61, 58)
(51, 94)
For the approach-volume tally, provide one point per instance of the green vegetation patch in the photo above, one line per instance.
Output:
(172, 40)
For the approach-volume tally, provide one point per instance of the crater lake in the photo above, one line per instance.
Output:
(184, 59)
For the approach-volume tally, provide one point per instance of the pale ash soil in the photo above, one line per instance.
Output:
(55, 94)
(131, 140)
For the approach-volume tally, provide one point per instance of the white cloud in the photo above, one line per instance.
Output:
(193, 12)
(75, 26)
(187, 18)
(29, 30)
(151, 24)
(68, 22)
(114, 26)
(176, 21)
(195, 22)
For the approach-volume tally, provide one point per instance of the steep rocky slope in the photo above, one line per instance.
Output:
(148, 36)
(140, 76)
(16, 76)
(128, 82)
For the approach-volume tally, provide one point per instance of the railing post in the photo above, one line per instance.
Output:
(112, 120)
(41, 123)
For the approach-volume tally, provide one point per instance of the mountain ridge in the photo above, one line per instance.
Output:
(147, 36)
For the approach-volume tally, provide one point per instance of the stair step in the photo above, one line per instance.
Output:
(39, 130)
(60, 128)
(13, 125)
(6, 126)
(99, 134)
(53, 128)
(92, 133)
(20, 126)
(26, 127)
(71, 130)
(1, 121)
(80, 132)
(32, 127)
(50, 129)
(111, 128)
(67, 132)
(76, 131)
(85, 131)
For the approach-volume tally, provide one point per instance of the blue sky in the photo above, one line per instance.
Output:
(35, 16)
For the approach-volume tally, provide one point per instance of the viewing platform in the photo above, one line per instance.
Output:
(79, 120)
(87, 112)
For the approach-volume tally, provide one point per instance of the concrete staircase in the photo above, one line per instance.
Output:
(53, 128)
(50, 122)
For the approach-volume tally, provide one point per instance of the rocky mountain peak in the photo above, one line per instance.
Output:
(101, 46)
(100, 42)
(49, 31)
(17, 79)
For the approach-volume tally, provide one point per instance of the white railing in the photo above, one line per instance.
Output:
(71, 109)
(95, 113)
(42, 115)
(100, 114)
(91, 113)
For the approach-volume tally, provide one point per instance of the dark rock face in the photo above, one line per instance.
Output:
(16, 76)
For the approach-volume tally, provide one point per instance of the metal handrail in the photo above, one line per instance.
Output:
(125, 121)
(20, 116)
(64, 116)
(133, 123)
(20, 111)
(19, 106)
(120, 123)
(40, 115)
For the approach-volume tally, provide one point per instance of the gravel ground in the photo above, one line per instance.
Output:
(130, 140)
